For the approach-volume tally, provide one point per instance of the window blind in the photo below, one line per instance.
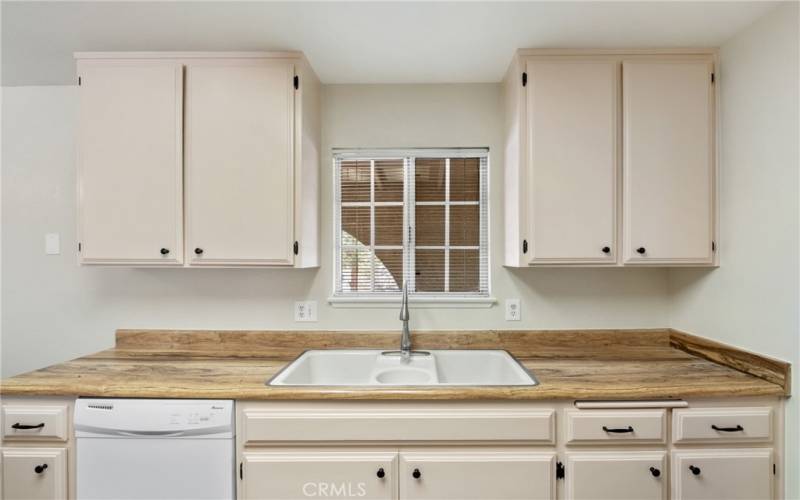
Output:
(419, 216)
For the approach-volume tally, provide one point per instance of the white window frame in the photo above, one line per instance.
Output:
(418, 299)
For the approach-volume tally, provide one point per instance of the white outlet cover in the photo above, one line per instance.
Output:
(305, 310)
(513, 311)
(52, 244)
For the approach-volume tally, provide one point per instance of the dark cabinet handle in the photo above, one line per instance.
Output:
(695, 470)
(25, 426)
(198, 251)
(40, 468)
(618, 431)
(641, 250)
(606, 250)
(655, 472)
(738, 428)
(164, 251)
(416, 474)
(381, 474)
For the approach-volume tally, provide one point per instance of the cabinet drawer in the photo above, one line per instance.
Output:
(723, 425)
(615, 426)
(33, 422)
(286, 475)
(462, 475)
(34, 473)
(743, 474)
(263, 424)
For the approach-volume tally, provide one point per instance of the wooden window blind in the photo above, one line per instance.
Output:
(419, 216)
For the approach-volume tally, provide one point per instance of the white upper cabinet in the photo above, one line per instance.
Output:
(130, 162)
(610, 158)
(239, 161)
(572, 127)
(235, 134)
(668, 116)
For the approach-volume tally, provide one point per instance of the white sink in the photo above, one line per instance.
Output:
(376, 368)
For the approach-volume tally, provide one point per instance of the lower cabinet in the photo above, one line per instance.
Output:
(733, 474)
(621, 475)
(392, 474)
(500, 475)
(34, 473)
(305, 474)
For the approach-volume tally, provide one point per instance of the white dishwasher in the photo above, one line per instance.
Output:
(148, 449)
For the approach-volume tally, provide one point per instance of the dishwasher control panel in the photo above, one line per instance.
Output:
(154, 417)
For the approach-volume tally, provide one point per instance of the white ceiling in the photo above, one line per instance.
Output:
(356, 42)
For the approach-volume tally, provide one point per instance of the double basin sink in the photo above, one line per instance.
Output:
(378, 368)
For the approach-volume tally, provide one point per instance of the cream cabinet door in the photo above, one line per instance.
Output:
(573, 140)
(618, 475)
(130, 170)
(34, 473)
(668, 161)
(466, 474)
(287, 475)
(240, 161)
(741, 474)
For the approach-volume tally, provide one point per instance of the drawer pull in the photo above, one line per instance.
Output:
(417, 474)
(655, 472)
(381, 473)
(40, 468)
(738, 428)
(26, 426)
(618, 431)
(695, 470)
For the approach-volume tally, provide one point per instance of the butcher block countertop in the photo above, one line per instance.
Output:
(591, 364)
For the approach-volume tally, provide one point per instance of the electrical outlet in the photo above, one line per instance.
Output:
(513, 311)
(305, 311)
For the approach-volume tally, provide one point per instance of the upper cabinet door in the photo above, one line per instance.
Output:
(240, 161)
(573, 109)
(130, 162)
(668, 161)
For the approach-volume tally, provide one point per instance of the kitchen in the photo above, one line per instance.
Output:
(279, 179)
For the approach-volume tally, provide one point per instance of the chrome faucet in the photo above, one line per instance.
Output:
(405, 338)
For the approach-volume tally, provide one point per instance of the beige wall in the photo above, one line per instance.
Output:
(753, 299)
(54, 310)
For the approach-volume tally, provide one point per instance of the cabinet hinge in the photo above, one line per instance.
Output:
(713, 246)
(296, 248)
(296, 82)
(241, 470)
(560, 470)
(712, 77)
(524, 246)
(524, 78)
(79, 81)
(79, 246)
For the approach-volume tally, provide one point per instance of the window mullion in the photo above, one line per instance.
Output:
(372, 224)
(447, 225)
(410, 224)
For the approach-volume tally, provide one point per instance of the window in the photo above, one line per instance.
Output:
(419, 216)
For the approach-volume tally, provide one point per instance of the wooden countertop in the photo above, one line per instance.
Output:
(590, 364)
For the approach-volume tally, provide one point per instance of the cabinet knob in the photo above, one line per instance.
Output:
(695, 470)
(164, 251)
(655, 472)
(641, 250)
(606, 250)
(381, 474)
(40, 468)
(198, 251)
(416, 474)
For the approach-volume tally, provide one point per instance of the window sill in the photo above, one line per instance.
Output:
(413, 302)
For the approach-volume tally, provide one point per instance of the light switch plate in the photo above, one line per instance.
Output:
(305, 310)
(52, 244)
(513, 312)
